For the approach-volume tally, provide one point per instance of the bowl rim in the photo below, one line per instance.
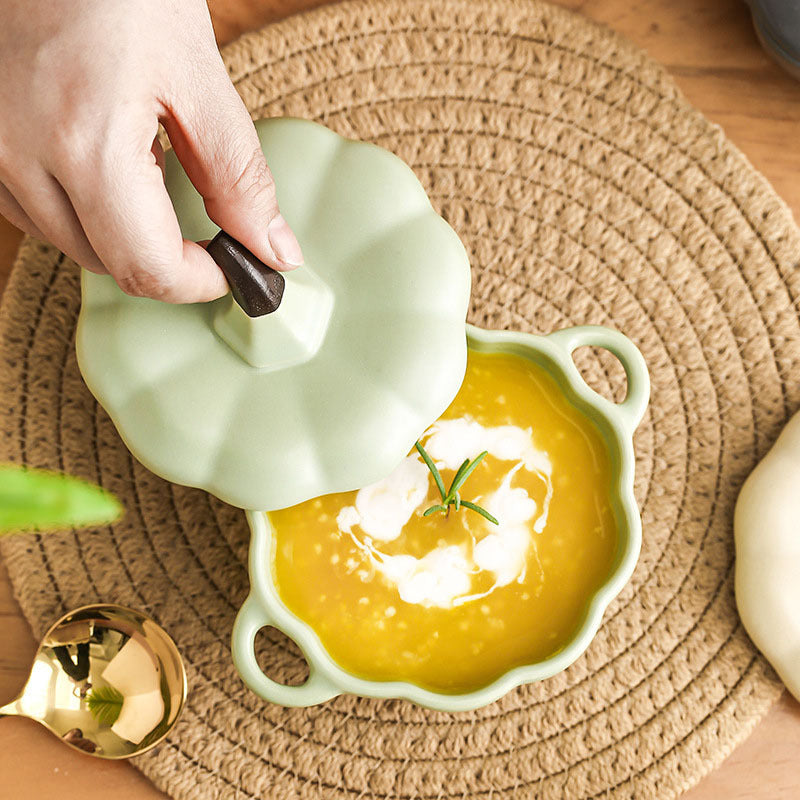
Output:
(263, 606)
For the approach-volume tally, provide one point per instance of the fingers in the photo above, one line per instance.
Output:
(130, 223)
(15, 214)
(219, 149)
(52, 210)
(42, 208)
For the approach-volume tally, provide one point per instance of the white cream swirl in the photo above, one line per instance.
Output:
(443, 577)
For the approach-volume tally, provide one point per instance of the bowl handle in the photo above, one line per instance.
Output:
(251, 618)
(631, 409)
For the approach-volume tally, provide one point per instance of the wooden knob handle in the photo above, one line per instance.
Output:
(257, 288)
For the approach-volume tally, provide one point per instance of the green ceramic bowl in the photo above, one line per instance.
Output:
(616, 423)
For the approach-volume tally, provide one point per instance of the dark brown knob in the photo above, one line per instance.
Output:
(257, 288)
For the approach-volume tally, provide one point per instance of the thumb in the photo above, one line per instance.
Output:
(217, 144)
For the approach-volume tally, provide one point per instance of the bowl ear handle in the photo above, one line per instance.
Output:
(631, 409)
(251, 618)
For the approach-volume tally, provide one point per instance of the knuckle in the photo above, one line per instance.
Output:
(70, 147)
(140, 283)
(83, 142)
(70, 158)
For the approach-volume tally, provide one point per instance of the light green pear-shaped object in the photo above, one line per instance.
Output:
(328, 393)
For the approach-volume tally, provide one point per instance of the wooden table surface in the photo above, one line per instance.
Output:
(712, 52)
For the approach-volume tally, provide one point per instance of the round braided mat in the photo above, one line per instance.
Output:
(587, 191)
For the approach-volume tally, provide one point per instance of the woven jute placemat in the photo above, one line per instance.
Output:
(586, 191)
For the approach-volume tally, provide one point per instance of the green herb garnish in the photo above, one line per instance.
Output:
(105, 703)
(452, 496)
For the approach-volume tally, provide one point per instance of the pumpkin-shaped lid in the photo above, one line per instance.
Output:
(329, 392)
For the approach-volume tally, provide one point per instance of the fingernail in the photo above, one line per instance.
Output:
(283, 242)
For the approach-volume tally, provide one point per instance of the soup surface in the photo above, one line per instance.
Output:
(451, 602)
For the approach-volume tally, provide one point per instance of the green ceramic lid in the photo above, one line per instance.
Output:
(329, 392)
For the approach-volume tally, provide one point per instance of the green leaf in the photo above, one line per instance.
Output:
(105, 703)
(482, 511)
(432, 467)
(464, 472)
(34, 499)
(451, 492)
(433, 510)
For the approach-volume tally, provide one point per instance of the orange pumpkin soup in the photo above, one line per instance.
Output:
(451, 601)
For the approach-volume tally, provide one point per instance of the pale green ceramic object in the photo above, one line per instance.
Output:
(616, 423)
(329, 392)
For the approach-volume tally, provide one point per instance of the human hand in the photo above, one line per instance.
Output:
(85, 84)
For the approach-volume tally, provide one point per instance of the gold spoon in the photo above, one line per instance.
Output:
(106, 680)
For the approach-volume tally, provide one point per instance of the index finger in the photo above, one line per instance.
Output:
(129, 220)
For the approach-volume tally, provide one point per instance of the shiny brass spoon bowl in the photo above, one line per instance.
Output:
(107, 680)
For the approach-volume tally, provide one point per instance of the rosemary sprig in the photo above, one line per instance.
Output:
(432, 467)
(482, 511)
(452, 496)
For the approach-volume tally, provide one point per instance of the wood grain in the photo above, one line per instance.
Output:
(711, 51)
